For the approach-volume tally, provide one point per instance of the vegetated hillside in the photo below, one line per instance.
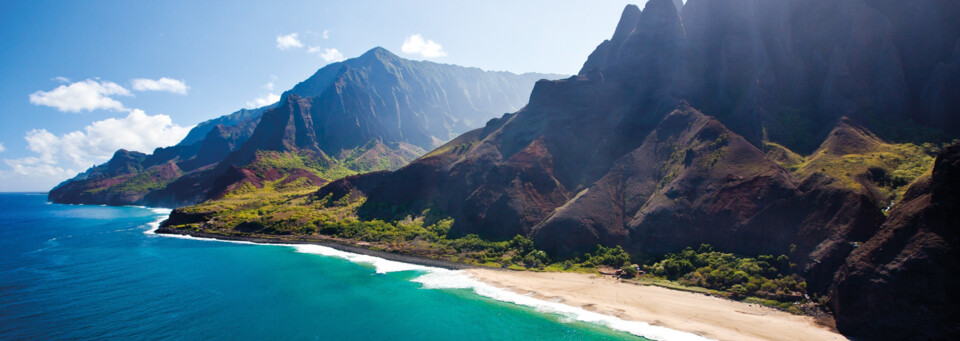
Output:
(759, 127)
(904, 282)
(374, 112)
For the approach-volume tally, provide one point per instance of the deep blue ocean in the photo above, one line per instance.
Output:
(92, 272)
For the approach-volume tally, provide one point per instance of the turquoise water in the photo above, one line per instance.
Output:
(91, 272)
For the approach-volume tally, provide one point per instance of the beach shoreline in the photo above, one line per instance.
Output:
(441, 274)
(695, 313)
(704, 315)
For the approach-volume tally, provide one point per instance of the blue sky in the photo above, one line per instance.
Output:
(80, 79)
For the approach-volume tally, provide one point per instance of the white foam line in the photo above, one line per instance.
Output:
(381, 265)
(439, 278)
(154, 225)
(158, 210)
(450, 279)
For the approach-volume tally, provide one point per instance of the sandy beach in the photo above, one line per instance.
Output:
(708, 316)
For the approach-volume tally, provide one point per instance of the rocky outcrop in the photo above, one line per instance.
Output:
(182, 217)
(904, 282)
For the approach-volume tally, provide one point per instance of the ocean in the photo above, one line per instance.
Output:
(97, 272)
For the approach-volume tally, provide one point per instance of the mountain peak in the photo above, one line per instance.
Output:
(659, 12)
(628, 21)
(379, 53)
(645, 37)
(849, 138)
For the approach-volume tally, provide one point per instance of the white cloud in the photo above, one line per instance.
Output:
(288, 41)
(426, 48)
(326, 34)
(57, 156)
(2, 148)
(264, 100)
(269, 86)
(61, 79)
(162, 84)
(86, 95)
(31, 169)
(42, 177)
(328, 55)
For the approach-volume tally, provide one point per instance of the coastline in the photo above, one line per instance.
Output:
(644, 310)
(703, 315)
(397, 257)
(442, 275)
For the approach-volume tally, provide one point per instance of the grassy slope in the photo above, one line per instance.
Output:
(153, 178)
(860, 161)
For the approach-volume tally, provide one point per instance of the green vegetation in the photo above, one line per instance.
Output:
(266, 161)
(372, 156)
(142, 182)
(765, 277)
(671, 167)
(284, 209)
(270, 211)
(376, 156)
(273, 210)
(860, 161)
(717, 152)
(609, 256)
(457, 146)
(888, 167)
(279, 213)
(783, 156)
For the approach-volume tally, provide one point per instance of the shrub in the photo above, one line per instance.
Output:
(629, 269)
(765, 275)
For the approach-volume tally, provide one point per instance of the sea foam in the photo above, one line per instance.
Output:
(381, 265)
(439, 278)
(154, 225)
(450, 279)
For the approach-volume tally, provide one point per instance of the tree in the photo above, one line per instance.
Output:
(521, 244)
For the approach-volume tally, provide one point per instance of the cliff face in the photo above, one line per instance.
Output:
(375, 106)
(904, 282)
(656, 144)
(784, 70)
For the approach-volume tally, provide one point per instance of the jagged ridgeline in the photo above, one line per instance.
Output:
(755, 126)
(370, 113)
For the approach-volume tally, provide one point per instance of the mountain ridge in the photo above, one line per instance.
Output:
(341, 107)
